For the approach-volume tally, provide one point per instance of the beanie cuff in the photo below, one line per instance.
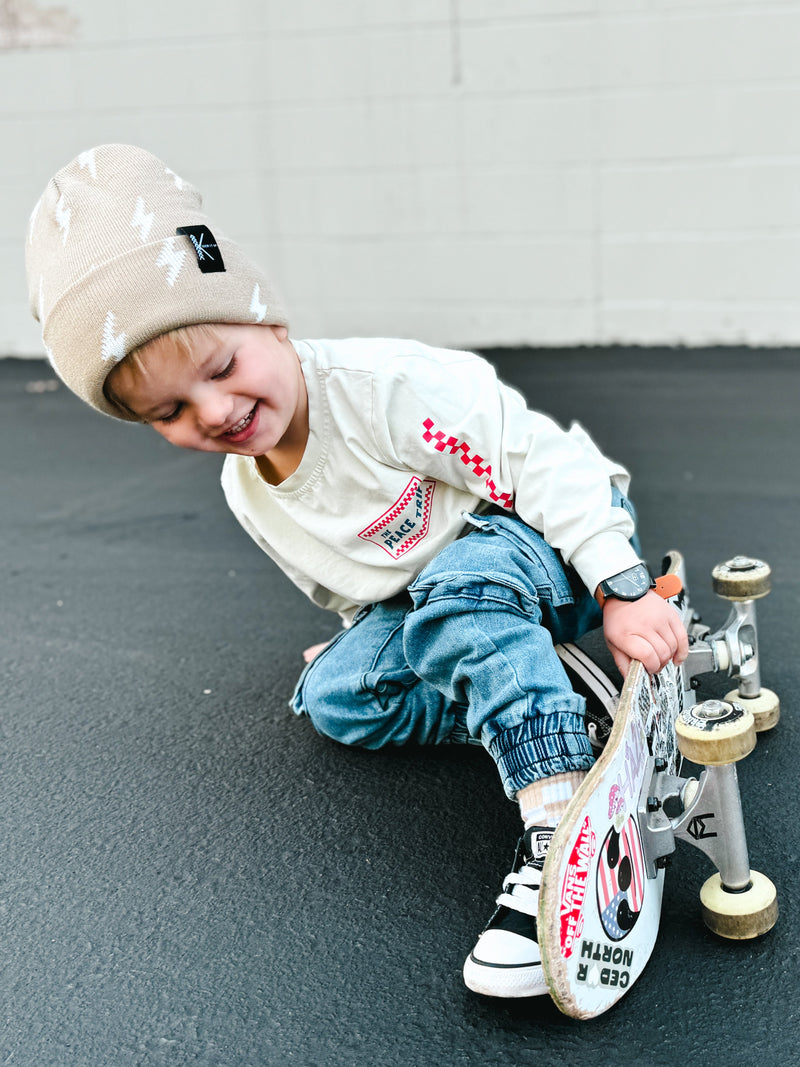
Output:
(120, 252)
(99, 320)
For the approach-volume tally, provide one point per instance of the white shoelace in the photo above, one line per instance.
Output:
(521, 890)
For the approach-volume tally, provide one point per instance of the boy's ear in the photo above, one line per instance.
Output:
(280, 332)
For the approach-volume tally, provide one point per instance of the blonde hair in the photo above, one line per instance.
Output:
(184, 339)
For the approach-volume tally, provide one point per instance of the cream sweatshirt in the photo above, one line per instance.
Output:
(404, 440)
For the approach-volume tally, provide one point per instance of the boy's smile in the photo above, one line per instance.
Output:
(237, 389)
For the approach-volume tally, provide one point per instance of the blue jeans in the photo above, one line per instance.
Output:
(470, 644)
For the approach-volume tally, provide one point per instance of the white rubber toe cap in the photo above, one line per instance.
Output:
(504, 964)
(505, 949)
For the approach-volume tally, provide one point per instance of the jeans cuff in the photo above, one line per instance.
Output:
(539, 748)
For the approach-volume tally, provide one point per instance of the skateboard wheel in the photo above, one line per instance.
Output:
(765, 708)
(715, 732)
(742, 578)
(739, 915)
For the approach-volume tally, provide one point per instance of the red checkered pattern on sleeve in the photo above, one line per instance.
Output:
(442, 443)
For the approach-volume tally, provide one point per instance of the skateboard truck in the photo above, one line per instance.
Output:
(737, 902)
(734, 648)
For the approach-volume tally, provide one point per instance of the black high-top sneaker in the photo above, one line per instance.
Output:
(588, 678)
(506, 961)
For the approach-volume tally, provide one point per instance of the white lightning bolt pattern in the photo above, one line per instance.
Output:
(257, 309)
(63, 215)
(143, 220)
(32, 221)
(113, 348)
(87, 161)
(172, 258)
(178, 181)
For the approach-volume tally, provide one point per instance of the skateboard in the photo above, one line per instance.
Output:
(603, 879)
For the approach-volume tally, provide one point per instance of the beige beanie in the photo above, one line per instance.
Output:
(119, 251)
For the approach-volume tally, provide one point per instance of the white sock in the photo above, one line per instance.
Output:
(543, 803)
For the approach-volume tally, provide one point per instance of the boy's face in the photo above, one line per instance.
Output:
(243, 392)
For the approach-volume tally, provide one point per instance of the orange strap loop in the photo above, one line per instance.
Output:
(668, 585)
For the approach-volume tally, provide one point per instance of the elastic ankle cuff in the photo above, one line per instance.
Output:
(539, 748)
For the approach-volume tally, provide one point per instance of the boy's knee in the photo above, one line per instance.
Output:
(333, 718)
(369, 710)
(320, 696)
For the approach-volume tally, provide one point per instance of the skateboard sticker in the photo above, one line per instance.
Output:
(616, 802)
(573, 889)
(620, 879)
(590, 972)
(661, 699)
(626, 786)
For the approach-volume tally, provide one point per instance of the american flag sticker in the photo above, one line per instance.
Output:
(620, 879)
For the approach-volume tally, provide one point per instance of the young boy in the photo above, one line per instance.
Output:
(458, 535)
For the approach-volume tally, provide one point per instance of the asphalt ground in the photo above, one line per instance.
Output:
(190, 875)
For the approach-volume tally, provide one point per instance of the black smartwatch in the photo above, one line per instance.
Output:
(631, 584)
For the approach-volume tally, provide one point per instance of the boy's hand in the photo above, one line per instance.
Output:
(649, 630)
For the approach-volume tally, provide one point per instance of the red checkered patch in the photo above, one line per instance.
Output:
(441, 442)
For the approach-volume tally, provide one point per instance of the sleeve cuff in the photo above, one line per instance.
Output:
(605, 555)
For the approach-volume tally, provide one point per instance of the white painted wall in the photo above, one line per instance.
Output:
(463, 171)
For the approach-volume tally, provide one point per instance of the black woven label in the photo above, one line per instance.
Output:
(209, 257)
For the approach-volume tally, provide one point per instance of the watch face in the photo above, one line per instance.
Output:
(629, 585)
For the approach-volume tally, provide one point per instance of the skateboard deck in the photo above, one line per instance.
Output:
(603, 879)
(598, 910)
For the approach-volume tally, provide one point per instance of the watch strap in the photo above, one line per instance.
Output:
(667, 586)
